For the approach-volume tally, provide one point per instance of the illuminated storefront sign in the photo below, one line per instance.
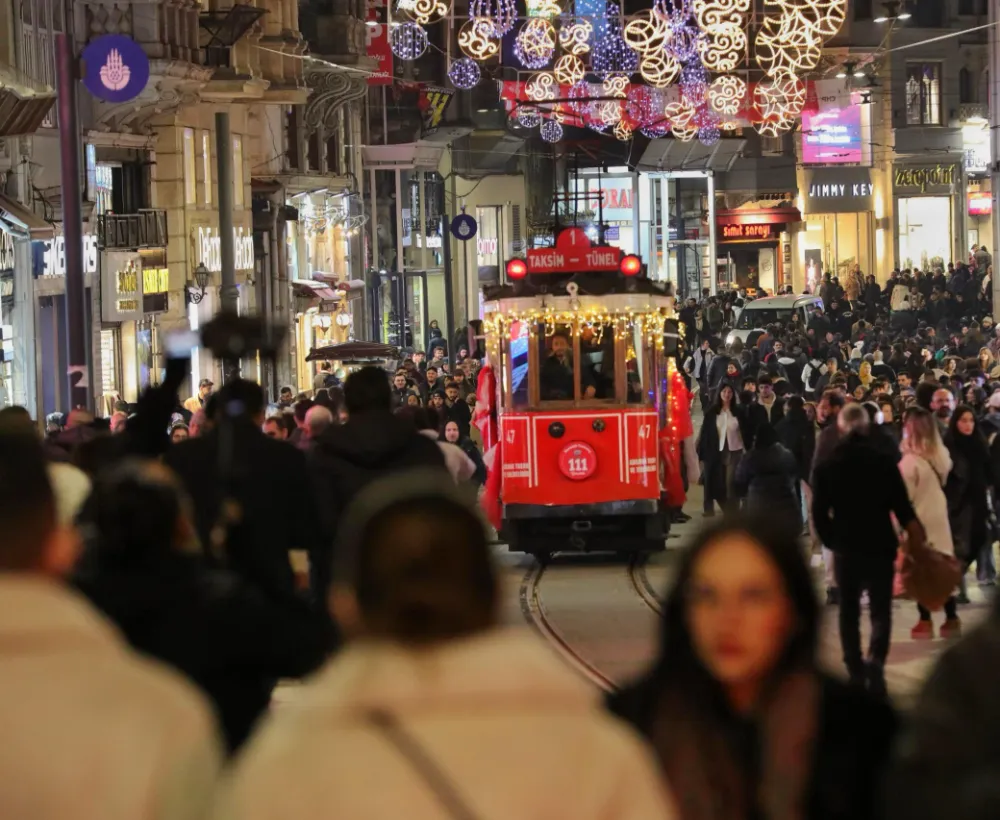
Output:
(750, 231)
(121, 287)
(980, 203)
(832, 137)
(925, 179)
(51, 259)
(210, 245)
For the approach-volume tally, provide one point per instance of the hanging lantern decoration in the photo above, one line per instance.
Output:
(548, 9)
(712, 13)
(685, 43)
(726, 94)
(783, 46)
(501, 13)
(655, 131)
(623, 131)
(606, 112)
(464, 73)
(425, 11)
(579, 95)
(535, 43)
(823, 17)
(528, 117)
(774, 128)
(569, 69)
(678, 12)
(477, 39)
(615, 85)
(709, 135)
(724, 49)
(575, 37)
(408, 41)
(551, 131)
(541, 86)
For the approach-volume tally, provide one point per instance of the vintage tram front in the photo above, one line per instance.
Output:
(577, 345)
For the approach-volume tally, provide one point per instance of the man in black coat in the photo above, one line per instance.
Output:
(372, 444)
(855, 493)
(268, 479)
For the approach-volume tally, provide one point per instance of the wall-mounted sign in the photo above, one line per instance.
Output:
(925, 179)
(752, 232)
(838, 190)
(378, 48)
(832, 137)
(980, 203)
(210, 247)
(463, 227)
(573, 253)
(49, 257)
(155, 280)
(433, 102)
(121, 287)
(116, 69)
(6, 251)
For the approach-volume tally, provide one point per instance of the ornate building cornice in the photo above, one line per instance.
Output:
(331, 89)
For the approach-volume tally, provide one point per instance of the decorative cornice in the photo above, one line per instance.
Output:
(331, 89)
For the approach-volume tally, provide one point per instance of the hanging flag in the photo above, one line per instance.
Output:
(432, 103)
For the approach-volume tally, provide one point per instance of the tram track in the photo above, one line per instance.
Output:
(641, 584)
(534, 612)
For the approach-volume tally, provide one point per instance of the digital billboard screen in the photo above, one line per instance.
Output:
(832, 137)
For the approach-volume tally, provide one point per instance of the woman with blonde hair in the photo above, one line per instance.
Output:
(987, 361)
(865, 375)
(925, 466)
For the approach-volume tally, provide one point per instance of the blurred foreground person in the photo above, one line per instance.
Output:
(90, 731)
(431, 711)
(742, 720)
(856, 491)
(948, 758)
(143, 569)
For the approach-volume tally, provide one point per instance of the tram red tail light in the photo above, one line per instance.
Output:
(631, 265)
(517, 269)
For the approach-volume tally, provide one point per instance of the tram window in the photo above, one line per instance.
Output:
(519, 333)
(555, 366)
(597, 361)
(637, 387)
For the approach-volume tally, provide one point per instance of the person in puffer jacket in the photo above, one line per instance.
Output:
(768, 477)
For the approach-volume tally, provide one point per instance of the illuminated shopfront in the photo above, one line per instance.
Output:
(751, 246)
(926, 202)
(839, 211)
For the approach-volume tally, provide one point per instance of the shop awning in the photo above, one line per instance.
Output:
(17, 219)
(761, 216)
(674, 155)
(315, 290)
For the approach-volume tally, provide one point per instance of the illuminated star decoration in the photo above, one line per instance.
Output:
(551, 131)
(535, 43)
(464, 74)
(408, 41)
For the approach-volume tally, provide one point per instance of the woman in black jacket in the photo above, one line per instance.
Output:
(744, 723)
(142, 568)
(720, 447)
(768, 477)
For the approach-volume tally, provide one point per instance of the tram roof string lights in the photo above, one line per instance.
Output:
(649, 320)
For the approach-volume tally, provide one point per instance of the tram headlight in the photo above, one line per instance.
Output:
(631, 265)
(517, 269)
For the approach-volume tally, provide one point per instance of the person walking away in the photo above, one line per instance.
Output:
(418, 596)
(798, 434)
(744, 722)
(856, 491)
(925, 466)
(371, 444)
(230, 637)
(697, 366)
(827, 410)
(91, 731)
(719, 448)
(768, 477)
(967, 487)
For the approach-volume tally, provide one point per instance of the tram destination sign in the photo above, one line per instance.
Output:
(573, 253)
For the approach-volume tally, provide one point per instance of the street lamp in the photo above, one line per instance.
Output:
(201, 277)
(893, 12)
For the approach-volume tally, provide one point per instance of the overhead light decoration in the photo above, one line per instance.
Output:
(782, 98)
(659, 70)
(535, 43)
(580, 95)
(781, 45)
(623, 131)
(694, 83)
(465, 73)
(502, 13)
(569, 69)
(478, 39)
(647, 32)
(725, 49)
(551, 131)
(774, 128)
(408, 41)
(425, 11)
(610, 51)
(543, 8)
(528, 118)
(709, 134)
(615, 85)
(606, 112)
(575, 37)
(685, 43)
(541, 86)
(823, 17)
(726, 94)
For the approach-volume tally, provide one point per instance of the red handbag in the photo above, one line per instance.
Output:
(927, 576)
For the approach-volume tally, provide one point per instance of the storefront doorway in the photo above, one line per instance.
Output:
(925, 232)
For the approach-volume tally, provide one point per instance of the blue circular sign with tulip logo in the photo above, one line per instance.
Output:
(463, 227)
(116, 69)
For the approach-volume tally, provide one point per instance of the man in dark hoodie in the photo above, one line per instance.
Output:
(372, 444)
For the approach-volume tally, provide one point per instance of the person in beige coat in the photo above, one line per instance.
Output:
(90, 731)
(432, 712)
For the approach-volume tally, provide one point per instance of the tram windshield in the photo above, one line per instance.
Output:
(562, 355)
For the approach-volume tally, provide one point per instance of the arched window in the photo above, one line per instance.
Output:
(966, 94)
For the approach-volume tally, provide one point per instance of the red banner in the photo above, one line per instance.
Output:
(573, 253)
(377, 33)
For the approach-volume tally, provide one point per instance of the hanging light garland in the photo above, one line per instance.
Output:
(611, 52)
(647, 32)
(580, 94)
(615, 85)
(408, 41)
(659, 70)
(478, 39)
(623, 131)
(782, 98)
(709, 135)
(624, 323)
(544, 8)
(551, 131)
(724, 49)
(694, 82)
(535, 43)
(528, 118)
(465, 74)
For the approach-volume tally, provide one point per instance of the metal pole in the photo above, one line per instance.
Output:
(228, 294)
(449, 287)
(994, 101)
(713, 265)
(72, 213)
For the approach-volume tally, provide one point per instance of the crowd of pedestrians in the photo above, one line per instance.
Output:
(162, 571)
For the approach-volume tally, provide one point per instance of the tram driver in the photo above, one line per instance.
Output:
(556, 375)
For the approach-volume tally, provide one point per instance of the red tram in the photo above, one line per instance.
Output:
(579, 395)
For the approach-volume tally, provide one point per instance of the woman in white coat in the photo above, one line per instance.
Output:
(431, 711)
(925, 466)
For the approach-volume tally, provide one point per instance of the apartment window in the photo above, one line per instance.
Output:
(190, 169)
(206, 164)
(238, 172)
(923, 94)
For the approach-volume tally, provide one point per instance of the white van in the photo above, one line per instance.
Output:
(760, 313)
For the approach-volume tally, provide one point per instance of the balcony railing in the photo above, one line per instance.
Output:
(130, 232)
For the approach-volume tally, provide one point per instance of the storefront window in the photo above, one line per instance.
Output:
(835, 243)
(238, 200)
(206, 164)
(190, 174)
(637, 373)
(925, 231)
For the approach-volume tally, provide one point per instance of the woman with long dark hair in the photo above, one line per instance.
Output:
(743, 722)
(720, 447)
